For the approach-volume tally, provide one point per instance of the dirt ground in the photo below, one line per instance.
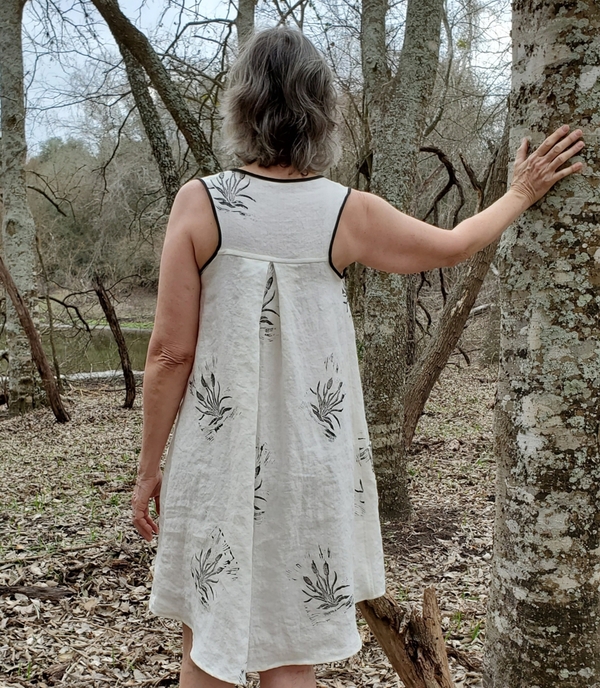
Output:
(65, 526)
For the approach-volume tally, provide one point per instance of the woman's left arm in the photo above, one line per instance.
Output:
(190, 239)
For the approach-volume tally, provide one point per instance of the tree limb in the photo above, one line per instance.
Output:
(460, 301)
(137, 43)
(35, 343)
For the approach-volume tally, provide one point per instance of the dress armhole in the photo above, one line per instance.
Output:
(212, 205)
(343, 274)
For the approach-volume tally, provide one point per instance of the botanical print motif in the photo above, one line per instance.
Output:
(215, 407)
(323, 592)
(359, 501)
(263, 456)
(345, 296)
(364, 451)
(327, 399)
(364, 457)
(210, 565)
(231, 187)
(269, 315)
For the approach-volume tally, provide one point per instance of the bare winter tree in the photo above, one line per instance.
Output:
(543, 626)
(426, 371)
(18, 228)
(396, 108)
(127, 35)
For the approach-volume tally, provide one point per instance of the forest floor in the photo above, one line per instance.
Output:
(65, 524)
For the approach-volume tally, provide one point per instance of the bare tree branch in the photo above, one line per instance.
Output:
(137, 43)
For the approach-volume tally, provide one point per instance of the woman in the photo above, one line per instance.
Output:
(269, 530)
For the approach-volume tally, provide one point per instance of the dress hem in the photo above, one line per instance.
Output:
(344, 655)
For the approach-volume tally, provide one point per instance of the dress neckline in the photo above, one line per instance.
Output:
(275, 179)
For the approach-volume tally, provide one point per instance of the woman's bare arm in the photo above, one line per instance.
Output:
(378, 235)
(190, 240)
(381, 237)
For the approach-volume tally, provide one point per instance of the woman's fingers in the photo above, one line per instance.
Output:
(568, 170)
(534, 175)
(140, 521)
(146, 489)
(563, 157)
(552, 140)
(145, 526)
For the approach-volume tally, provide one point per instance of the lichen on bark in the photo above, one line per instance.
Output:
(543, 626)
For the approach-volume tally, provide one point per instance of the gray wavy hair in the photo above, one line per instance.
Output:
(280, 106)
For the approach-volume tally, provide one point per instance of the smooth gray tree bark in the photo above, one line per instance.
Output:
(18, 228)
(543, 623)
(396, 110)
(244, 21)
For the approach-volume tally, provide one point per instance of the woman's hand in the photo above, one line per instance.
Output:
(145, 489)
(533, 176)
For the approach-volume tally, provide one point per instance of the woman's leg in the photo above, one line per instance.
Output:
(293, 676)
(192, 675)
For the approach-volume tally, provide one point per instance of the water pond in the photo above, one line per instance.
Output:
(81, 352)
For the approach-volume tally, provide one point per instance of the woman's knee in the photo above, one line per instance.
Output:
(290, 676)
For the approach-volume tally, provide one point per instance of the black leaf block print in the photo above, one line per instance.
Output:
(364, 462)
(230, 194)
(324, 593)
(359, 499)
(345, 297)
(327, 400)
(364, 451)
(211, 565)
(260, 493)
(214, 406)
(269, 314)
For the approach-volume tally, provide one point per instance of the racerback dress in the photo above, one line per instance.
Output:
(269, 524)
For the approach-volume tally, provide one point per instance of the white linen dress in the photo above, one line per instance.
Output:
(269, 525)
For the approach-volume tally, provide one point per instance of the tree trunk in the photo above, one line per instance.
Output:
(128, 35)
(115, 328)
(244, 21)
(152, 126)
(423, 376)
(543, 625)
(35, 343)
(18, 229)
(396, 110)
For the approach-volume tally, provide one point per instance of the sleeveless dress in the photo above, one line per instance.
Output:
(269, 524)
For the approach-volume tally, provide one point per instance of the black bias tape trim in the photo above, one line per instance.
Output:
(337, 222)
(212, 203)
(273, 179)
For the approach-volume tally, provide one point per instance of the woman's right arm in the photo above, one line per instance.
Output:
(378, 235)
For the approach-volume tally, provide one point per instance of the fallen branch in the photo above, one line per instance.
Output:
(37, 592)
(413, 642)
(466, 659)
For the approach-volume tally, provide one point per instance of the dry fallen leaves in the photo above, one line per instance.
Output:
(65, 524)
